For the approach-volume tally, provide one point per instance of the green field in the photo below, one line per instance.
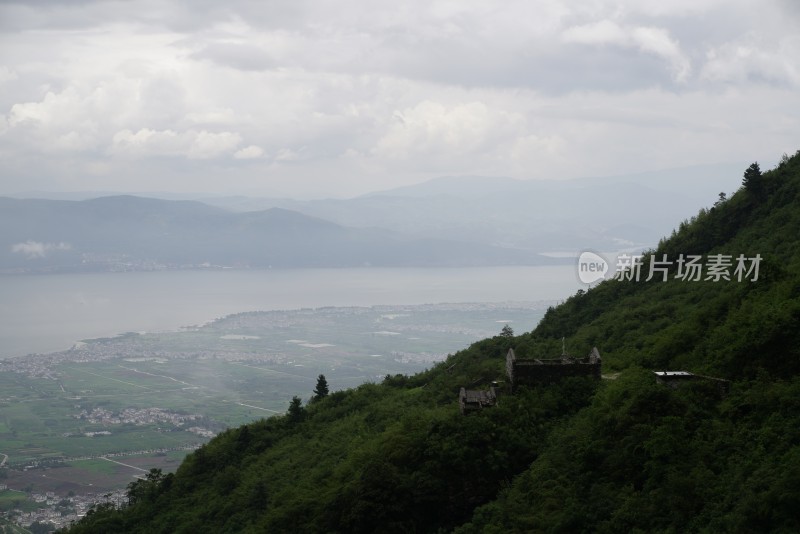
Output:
(76, 406)
(96, 466)
(10, 500)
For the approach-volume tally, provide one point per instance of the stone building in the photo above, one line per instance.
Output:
(675, 379)
(470, 400)
(536, 371)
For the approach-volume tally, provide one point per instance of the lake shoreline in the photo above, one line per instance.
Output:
(49, 313)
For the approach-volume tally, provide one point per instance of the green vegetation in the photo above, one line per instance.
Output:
(230, 372)
(10, 500)
(97, 466)
(321, 390)
(622, 455)
(7, 527)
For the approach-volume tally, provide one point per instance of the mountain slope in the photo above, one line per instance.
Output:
(647, 457)
(624, 454)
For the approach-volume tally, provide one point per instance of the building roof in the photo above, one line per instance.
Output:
(472, 399)
(472, 395)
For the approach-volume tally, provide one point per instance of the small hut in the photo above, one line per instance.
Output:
(473, 400)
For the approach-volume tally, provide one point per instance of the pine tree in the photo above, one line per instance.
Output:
(322, 388)
(752, 180)
(507, 331)
(295, 412)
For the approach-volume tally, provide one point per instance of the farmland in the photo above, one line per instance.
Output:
(91, 418)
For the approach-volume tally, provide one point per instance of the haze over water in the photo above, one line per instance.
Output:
(45, 313)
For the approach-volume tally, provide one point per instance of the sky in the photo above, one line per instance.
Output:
(322, 98)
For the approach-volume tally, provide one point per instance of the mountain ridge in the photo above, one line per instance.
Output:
(133, 233)
(523, 214)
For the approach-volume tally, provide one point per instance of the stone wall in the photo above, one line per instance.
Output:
(546, 371)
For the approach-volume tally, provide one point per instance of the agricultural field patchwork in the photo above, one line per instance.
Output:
(94, 417)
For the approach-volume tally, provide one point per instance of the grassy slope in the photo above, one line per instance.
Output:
(623, 455)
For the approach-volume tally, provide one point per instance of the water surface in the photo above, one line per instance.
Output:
(44, 313)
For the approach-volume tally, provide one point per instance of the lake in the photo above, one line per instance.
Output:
(45, 313)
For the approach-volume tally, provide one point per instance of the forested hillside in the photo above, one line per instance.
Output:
(622, 454)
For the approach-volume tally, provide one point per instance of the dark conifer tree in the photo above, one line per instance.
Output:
(322, 388)
(295, 412)
(752, 180)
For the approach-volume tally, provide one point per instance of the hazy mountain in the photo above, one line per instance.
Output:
(694, 182)
(127, 232)
(456, 220)
(607, 213)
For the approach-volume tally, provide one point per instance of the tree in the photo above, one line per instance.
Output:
(322, 388)
(507, 331)
(752, 180)
(39, 528)
(146, 489)
(295, 412)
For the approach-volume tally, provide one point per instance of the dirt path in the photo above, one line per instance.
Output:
(126, 465)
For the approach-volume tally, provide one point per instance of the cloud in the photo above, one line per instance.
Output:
(287, 155)
(7, 75)
(236, 55)
(601, 32)
(655, 41)
(191, 144)
(753, 59)
(179, 95)
(59, 122)
(206, 145)
(435, 129)
(249, 152)
(36, 249)
(658, 41)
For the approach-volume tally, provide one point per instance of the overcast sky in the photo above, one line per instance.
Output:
(320, 98)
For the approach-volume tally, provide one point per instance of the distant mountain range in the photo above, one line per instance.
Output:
(449, 221)
(606, 213)
(134, 233)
